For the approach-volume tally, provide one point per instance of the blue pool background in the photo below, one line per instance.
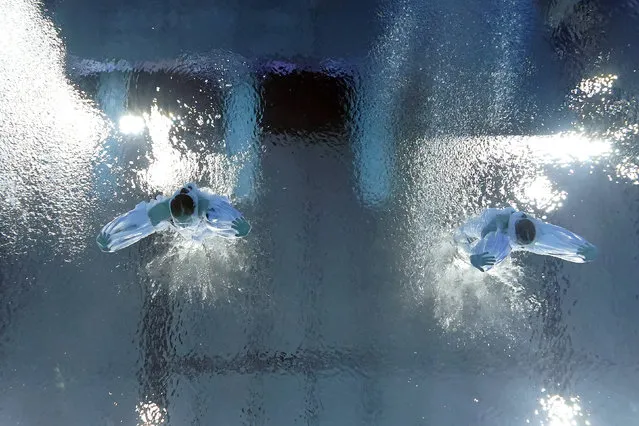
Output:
(346, 304)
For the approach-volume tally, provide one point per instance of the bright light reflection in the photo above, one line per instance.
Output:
(624, 132)
(568, 147)
(131, 124)
(168, 166)
(46, 120)
(598, 85)
(150, 414)
(629, 170)
(541, 194)
(559, 411)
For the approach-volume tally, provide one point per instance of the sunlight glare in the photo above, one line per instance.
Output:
(541, 194)
(131, 125)
(150, 414)
(559, 411)
(568, 147)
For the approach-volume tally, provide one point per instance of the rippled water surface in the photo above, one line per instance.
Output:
(355, 136)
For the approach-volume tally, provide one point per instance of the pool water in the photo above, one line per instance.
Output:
(355, 137)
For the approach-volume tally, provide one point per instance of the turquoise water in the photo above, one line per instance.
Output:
(355, 137)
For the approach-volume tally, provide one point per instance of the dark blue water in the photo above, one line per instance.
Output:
(355, 136)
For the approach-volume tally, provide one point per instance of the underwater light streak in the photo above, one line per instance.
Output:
(568, 147)
(169, 167)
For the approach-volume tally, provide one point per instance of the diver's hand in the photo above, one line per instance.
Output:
(103, 240)
(588, 252)
(481, 260)
(241, 226)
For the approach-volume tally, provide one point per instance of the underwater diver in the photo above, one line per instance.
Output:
(193, 212)
(489, 239)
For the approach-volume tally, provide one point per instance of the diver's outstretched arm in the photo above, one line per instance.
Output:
(474, 230)
(491, 219)
(131, 227)
(490, 251)
(469, 232)
(223, 219)
(553, 240)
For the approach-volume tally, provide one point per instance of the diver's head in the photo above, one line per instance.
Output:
(182, 208)
(525, 231)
